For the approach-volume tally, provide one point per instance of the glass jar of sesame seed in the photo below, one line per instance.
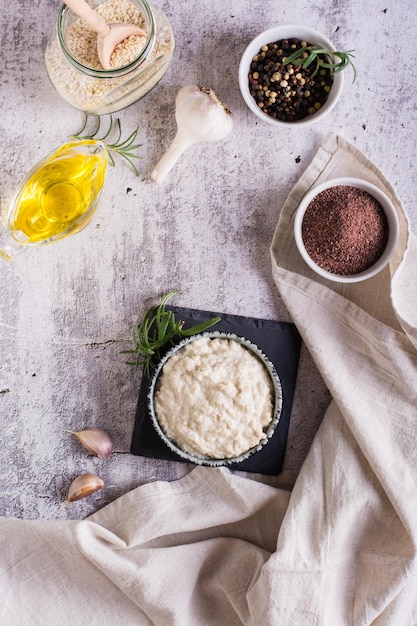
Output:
(137, 64)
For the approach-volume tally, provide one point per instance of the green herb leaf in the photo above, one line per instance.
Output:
(335, 61)
(157, 329)
(123, 148)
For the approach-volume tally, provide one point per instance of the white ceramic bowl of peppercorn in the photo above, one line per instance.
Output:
(288, 94)
(346, 229)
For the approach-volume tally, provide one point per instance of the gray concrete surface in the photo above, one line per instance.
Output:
(66, 310)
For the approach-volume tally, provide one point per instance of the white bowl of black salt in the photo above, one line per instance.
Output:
(282, 92)
(346, 229)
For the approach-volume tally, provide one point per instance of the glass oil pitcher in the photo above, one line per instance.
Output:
(57, 198)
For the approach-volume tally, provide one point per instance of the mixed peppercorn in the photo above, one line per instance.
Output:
(287, 91)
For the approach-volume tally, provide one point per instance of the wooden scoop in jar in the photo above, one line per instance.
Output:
(108, 35)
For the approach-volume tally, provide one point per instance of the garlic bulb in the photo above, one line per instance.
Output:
(96, 441)
(83, 486)
(200, 116)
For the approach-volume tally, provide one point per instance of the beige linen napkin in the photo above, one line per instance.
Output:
(346, 552)
(216, 548)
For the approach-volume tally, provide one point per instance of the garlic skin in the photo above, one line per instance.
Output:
(200, 116)
(96, 441)
(83, 486)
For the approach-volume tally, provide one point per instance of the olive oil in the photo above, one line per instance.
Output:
(59, 196)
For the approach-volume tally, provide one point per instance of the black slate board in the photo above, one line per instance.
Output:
(280, 342)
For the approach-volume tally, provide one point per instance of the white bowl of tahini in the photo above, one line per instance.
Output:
(215, 399)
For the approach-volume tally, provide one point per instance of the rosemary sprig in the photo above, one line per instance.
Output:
(335, 61)
(158, 328)
(123, 148)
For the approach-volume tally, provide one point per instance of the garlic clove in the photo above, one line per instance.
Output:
(83, 486)
(96, 441)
